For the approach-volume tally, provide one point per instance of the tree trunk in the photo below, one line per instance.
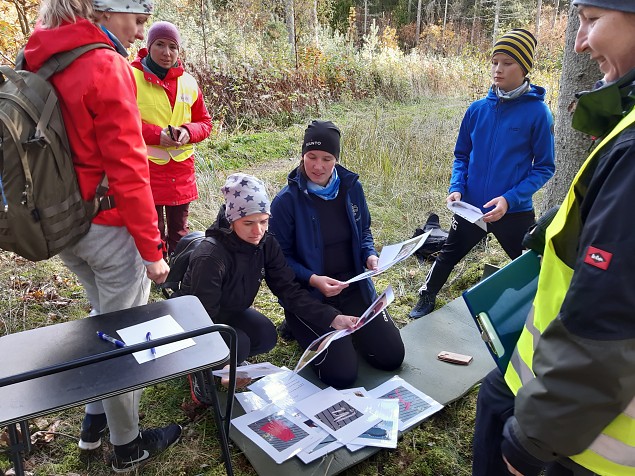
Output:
(203, 22)
(497, 11)
(418, 29)
(315, 24)
(289, 14)
(477, 4)
(579, 73)
(365, 17)
(538, 12)
(409, 10)
(555, 13)
(445, 19)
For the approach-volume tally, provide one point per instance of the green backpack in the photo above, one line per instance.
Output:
(41, 209)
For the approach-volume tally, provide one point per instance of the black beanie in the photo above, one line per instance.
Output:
(322, 135)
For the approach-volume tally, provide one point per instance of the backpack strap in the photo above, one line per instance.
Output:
(60, 61)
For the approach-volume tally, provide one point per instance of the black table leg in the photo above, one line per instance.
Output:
(223, 435)
(18, 448)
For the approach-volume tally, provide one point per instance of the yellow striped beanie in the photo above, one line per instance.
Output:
(520, 45)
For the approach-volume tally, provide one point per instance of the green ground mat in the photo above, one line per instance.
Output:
(451, 329)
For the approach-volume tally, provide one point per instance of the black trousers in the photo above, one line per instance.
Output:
(378, 342)
(494, 406)
(463, 236)
(255, 332)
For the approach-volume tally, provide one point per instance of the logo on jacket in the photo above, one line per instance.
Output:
(355, 209)
(598, 258)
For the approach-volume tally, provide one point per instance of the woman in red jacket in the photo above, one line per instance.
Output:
(122, 248)
(174, 117)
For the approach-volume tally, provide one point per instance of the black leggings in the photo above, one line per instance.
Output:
(509, 231)
(378, 342)
(256, 333)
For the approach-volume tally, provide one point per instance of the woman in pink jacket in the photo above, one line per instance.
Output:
(174, 117)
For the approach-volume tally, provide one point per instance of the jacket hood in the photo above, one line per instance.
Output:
(599, 111)
(221, 230)
(44, 42)
(534, 93)
(173, 72)
(347, 178)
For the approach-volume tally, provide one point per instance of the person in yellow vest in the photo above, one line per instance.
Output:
(567, 400)
(174, 117)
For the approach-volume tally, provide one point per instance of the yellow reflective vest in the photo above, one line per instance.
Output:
(612, 453)
(155, 108)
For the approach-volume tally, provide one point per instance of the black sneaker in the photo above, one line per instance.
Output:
(147, 445)
(201, 386)
(284, 331)
(93, 428)
(424, 306)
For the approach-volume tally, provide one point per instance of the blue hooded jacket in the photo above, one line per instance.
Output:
(505, 148)
(295, 224)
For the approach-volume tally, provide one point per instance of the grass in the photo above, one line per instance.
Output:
(403, 153)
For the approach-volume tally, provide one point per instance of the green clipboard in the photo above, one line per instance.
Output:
(500, 304)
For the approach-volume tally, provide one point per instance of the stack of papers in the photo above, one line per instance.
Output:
(288, 416)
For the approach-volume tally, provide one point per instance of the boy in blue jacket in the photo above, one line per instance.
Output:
(503, 155)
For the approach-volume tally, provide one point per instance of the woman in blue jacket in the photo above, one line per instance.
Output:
(322, 223)
(503, 155)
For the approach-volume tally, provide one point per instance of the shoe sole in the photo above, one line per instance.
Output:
(89, 445)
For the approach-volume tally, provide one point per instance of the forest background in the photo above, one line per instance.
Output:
(396, 76)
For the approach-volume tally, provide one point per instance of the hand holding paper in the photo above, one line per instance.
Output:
(468, 212)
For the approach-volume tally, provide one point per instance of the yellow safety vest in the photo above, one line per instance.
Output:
(155, 108)
(612, 453)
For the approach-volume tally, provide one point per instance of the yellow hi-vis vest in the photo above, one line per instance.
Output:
(612, 453)
(155, 108)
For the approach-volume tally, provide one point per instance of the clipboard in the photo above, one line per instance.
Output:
(501, 303)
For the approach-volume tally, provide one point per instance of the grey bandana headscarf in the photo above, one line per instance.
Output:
(123, 6)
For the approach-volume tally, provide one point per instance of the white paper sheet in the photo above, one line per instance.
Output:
(283, 388)
(392, 254)
(469, 212)
(278, 433)
(343, 416)
(251, 371)
(250, 401)
(323, 446)
(385, 433)
(160, 327)
(414, 405)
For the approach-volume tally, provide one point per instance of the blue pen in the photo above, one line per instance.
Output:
(152, 349)
(112, 340)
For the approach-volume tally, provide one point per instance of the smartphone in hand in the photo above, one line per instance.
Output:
(173, 133)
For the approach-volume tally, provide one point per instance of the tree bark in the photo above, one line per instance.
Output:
(579, 73)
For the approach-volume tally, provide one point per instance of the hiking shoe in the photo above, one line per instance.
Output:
(93, 428)
(201, 386)
(284, 331)
(424, 306)
(147, 445)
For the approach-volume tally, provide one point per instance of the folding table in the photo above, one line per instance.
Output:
(56, 367)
